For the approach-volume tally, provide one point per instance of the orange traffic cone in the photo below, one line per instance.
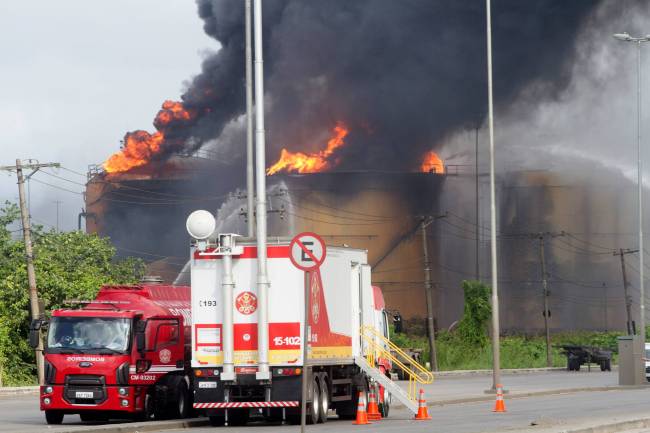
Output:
(362, 416)
(423, 413)
(499, 406)
(373, 409)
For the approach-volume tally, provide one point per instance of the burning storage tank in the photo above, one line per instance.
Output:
(142, 210)
(578, 219)
(582, 218)
(376, 211)
(583, 221)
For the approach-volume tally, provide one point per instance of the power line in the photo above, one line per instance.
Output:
(57, 187)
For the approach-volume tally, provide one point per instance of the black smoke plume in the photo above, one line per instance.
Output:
(402, 75)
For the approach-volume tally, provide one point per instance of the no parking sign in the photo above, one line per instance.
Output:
(307, 251)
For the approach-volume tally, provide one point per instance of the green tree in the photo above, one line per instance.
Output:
(472, 328)
(70, 265)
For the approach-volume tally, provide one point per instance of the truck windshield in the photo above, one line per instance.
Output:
(88, 335)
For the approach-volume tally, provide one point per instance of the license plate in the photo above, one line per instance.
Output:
(207, 384)
(82, 394)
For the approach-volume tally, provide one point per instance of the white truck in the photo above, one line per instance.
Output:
(349, 350)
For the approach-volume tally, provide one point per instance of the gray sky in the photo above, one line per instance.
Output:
(76, 75)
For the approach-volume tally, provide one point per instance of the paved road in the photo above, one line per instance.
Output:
(21, 414)
(461, 387)
(548, 413)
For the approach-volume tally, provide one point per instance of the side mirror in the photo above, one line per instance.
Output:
(35, 333)
(397, 323)
(140, 342)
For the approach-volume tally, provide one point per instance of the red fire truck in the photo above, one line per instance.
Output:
(125, 354)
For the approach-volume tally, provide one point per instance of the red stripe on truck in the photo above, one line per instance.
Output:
(249, 253)
(245, 404)
(282, 336)
(245, 336)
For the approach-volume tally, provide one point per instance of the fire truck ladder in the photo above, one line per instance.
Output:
(378, 347)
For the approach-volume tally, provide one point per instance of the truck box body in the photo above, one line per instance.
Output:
(337, 289)
(342, 300)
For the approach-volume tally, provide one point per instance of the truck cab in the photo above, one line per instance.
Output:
(123, 355)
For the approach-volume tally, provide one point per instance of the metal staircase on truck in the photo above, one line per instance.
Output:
(376, 347)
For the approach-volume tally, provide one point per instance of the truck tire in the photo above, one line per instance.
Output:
(348, 410)
(384, 406)
(314, 409)
(148, 410)
(217, 420)
(573, 363)
(324, 400)
(183, 406)
(238, 417)
(93, 417)
(606, 365)
(86, 417)
(313, 415)
(54, 417)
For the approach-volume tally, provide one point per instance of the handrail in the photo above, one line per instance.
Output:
(416, 372)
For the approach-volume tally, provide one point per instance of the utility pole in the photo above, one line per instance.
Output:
(547, 313)
(57, 202)
(545, 292)
(628, 300)
(428, 289)
(29, 253)
(496, 343)
(478, 225)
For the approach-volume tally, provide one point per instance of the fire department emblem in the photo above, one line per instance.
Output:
(246, 303)
(315, 302)
(165, 356)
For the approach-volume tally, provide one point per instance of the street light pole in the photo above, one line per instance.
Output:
(625, 37)
(250, 169)
(496, 353)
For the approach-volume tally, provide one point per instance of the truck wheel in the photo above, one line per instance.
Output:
(147, 411)
(324, 400)
(313, 409)
(183, 405)
(217, 420)
(238, 417)
(90, 417)
(53, 417)
(384, 406)
(348, 410)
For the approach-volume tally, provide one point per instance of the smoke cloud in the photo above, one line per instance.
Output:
(402, 75)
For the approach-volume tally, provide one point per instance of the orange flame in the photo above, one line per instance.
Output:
(432, 163)
(314, 162)
(140, 146)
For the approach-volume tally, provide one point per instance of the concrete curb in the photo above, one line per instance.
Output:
(452, 373)
(614, 427)
(18, 390)
(624, 424)
(518, 395)
(136, 427)
(510, 371)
